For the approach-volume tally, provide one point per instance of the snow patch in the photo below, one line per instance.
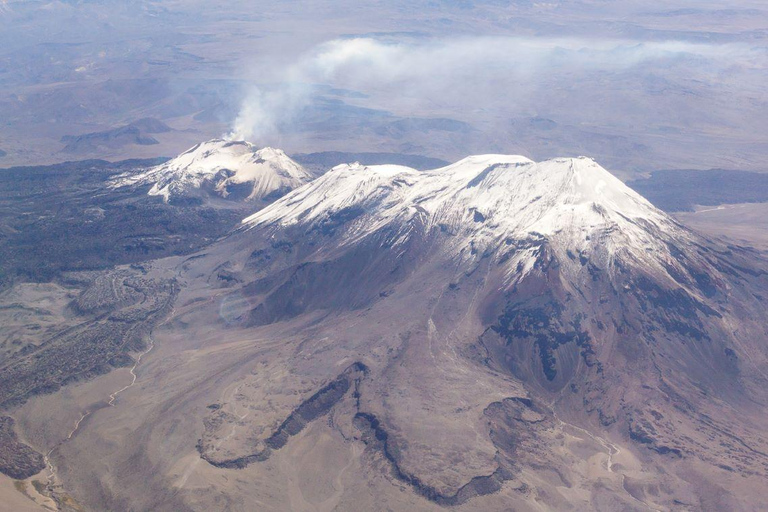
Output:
(484, 200)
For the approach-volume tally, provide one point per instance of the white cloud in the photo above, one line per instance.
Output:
(462, 73)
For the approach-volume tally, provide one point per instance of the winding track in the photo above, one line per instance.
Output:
(113, 396)
(51, 478)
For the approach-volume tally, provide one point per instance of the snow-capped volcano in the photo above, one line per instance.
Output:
(485, 201)
(502, 194)
(228, 169)
(452, 290)
(565, 228)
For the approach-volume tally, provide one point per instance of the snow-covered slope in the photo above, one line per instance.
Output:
(229, 169)
(485, 201)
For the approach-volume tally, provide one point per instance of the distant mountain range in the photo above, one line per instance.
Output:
(138, 132)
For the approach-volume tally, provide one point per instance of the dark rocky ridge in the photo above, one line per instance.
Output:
(512, 433)
(514, 427)
(17, 460)
(309, 410)
(375, 436)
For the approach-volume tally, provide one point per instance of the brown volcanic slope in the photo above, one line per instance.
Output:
(494, 335)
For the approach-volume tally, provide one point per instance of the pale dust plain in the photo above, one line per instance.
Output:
(142, 453)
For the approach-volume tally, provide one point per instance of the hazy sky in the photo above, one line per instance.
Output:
(638, 85)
